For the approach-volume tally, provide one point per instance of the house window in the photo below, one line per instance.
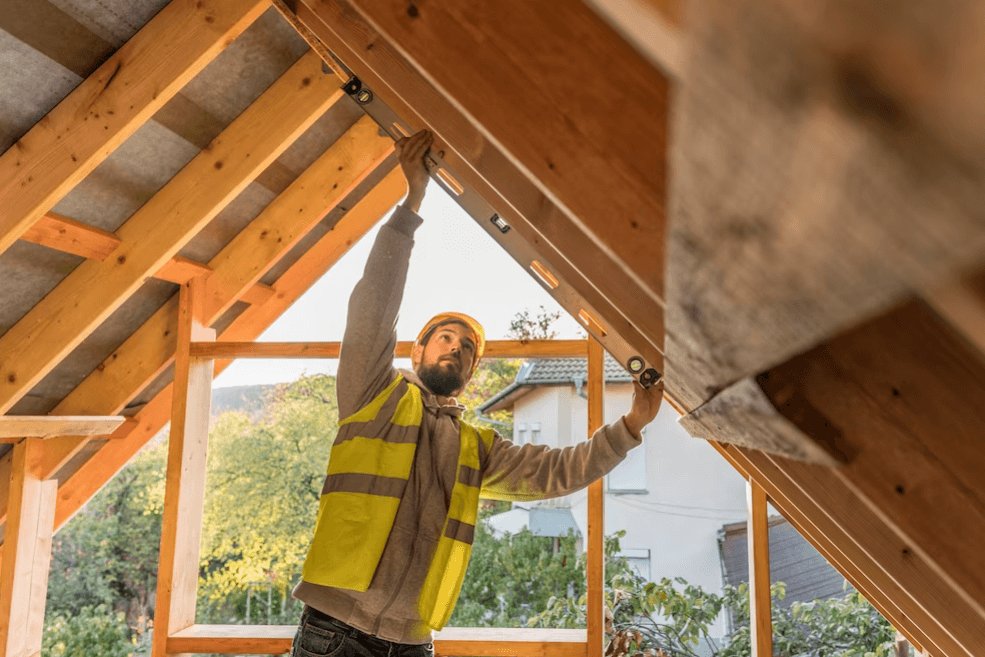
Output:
(638, 559)
(535, 433)
(521, 433)
(630, 475)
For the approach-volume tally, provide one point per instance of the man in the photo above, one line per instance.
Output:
(399, 504)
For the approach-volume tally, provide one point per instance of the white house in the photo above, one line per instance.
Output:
(671, 496)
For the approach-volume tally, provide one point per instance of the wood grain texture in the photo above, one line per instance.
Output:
(26, 552)
(150, 348)
(595, 545)
(184, 495)
(109, 105)
(69, 236)
(450, 642)
(494, 349)
(15, 427)
(760, 599)
(826, 165)
(79, 487)
(480, 163)
(862, 546)
(70, 312)
(743, 415)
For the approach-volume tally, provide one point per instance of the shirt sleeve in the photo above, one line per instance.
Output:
(534, 472)
(366, 356)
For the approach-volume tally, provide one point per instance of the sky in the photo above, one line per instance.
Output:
(455, 265)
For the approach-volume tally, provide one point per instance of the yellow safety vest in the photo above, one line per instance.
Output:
(368, 469)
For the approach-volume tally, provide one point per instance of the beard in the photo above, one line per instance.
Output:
(439, 380)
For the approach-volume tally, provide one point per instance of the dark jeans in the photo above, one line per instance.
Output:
(323, 636)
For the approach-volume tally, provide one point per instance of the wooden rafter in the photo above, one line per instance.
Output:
(109, 106)
(823, 541)
(81, 485)
(604, 164)
(150, 349)
(898, 581)
(190, 200)
(901, 397)
(481, 164)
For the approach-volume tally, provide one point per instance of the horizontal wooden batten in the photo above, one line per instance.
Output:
(450, 642)
(76, 238)
(70, 236)
(15, 427)
(494, 349)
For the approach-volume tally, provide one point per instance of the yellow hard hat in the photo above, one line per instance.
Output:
(478, 334)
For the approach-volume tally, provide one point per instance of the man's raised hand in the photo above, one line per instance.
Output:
(411, 152)
(646, 403)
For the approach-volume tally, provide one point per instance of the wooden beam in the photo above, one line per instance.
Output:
(184, 496)
(69, 313)
(109, 106)
(81, 485)
(804, 178)
(356, 154)
(452, 641)
(903, 396)
(482, 165)
(494, 349)
(823, 542)
(595, 547)
(26, 553)
(860, 544)
(69, 236)
(604, 164)
(760, 600)
(962, 303)
(653, 27)
(15, 427)
(234, 273)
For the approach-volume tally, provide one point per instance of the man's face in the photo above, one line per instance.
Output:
(446, 360)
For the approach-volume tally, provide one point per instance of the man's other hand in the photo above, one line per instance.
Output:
(412, 151)
(646, 403)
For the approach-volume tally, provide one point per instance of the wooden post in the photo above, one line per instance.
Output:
(184, 496)
(26, 552)
(760, 609)
(596, 545)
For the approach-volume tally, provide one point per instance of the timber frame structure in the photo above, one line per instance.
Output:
(776, 207)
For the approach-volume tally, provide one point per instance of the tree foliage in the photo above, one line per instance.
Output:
(264, 480)
(673, 618)
(88, 631)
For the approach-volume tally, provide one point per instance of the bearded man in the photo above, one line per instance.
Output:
(399, 504)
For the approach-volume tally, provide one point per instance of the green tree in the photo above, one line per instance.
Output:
(88, 631)
(264, 479)
(674, 618)
(106, 557)
(512, 578)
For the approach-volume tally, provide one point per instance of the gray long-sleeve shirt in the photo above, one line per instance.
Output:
(388, 609)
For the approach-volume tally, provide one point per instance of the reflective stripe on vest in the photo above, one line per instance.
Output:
(451, 558)
(368, 468)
